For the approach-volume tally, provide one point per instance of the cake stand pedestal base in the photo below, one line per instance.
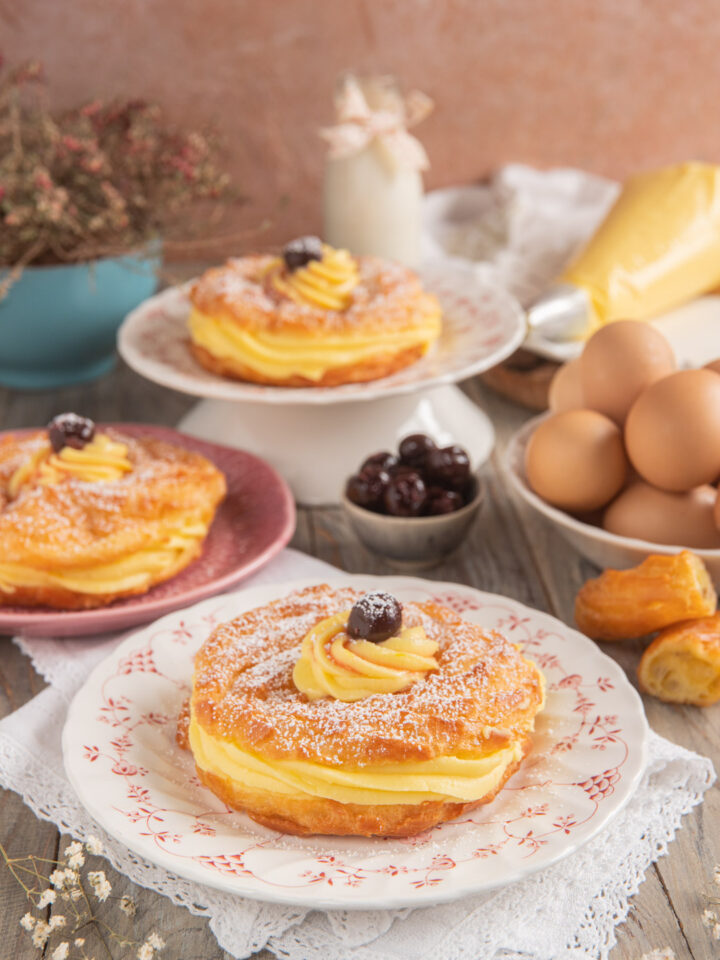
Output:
(316, 447)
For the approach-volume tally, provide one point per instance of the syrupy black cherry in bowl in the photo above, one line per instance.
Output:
(420, 480)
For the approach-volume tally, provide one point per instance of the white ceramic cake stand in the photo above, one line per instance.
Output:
(316, 436)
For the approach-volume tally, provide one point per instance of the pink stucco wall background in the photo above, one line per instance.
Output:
(608, 85)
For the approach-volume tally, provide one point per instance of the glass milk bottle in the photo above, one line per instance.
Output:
(373, 186)
(372, 208)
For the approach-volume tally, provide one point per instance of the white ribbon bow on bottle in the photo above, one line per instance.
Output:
(373, 110)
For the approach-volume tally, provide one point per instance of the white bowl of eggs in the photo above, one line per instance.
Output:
(627, 461)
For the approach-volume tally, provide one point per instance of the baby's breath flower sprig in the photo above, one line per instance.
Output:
(50, 883)
(128, 907)
(711, 914)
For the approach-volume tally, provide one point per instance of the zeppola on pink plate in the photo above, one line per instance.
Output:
(253, 523)
(588, 755)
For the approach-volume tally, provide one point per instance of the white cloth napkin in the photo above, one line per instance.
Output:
(521, 228)
(568, 911)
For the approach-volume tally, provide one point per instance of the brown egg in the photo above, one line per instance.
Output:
(576, 461)
(714, 365)
(679, 519)
(566, 392)
(619, 362)
(716, 511)
(672, 432)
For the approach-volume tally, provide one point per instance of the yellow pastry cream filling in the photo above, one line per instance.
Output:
(460, 778)
(102, 459)
(332, 664)
(132, 572)
(280, 356)
(658, 246)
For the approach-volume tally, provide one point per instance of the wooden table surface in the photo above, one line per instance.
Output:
(509, 551)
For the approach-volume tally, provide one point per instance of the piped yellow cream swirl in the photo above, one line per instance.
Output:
(326, 283)
(332, 664)
(102, 459)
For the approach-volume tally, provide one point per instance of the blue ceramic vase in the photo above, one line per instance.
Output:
(58, 324)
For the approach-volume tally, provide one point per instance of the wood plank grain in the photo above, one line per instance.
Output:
(21, 832)
(304, 536)
(122, 395)
(650, 925)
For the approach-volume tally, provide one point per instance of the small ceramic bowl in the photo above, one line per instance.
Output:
(602, 547)
(413, 543)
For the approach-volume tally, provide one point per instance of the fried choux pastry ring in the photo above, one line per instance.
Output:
(313, 720)
(314, 317)
(88, 516)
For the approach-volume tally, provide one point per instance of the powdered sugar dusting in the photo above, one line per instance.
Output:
(380, 605)
(484, 692)
(387, 295)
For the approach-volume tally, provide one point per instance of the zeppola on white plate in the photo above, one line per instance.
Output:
(120, 754)
(294, 429)
(482, 325)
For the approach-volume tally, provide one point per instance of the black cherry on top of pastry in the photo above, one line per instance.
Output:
(376, 616)
(70, 430)
(300, 252)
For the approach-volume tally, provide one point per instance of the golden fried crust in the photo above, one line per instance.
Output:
(387, 297)
(483, 696)
(73, 525)
(662, 590)
(318, 815)
(378, 366)
(182, 728)
(682, 664)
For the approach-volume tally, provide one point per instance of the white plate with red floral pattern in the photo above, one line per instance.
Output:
(482, 325)
(588, 755)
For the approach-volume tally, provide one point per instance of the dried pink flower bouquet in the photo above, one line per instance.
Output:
(96, 180)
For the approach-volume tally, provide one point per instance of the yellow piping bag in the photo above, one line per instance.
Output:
(658, 247)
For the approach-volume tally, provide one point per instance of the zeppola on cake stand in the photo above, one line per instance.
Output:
(316, 436)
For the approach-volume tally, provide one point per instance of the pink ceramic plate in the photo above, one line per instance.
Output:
(253, 523)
